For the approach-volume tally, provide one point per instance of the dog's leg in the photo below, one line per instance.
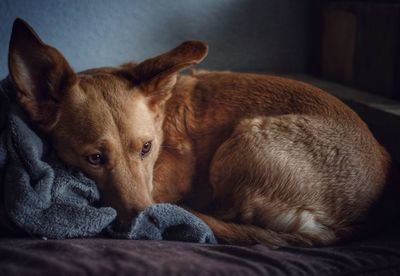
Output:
(293, 180)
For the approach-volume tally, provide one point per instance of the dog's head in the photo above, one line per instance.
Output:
(106, 122)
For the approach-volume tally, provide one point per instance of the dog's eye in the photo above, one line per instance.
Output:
(145, 149)
(96, 159)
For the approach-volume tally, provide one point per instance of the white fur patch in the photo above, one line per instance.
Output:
(308, 224)
(305, 221)
(284, 222)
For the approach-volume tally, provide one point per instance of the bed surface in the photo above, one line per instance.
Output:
(380, 256)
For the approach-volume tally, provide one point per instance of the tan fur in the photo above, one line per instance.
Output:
(259, 158)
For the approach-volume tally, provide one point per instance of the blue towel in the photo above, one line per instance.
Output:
(40, 196)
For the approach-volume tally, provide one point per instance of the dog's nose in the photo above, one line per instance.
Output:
(126, 216)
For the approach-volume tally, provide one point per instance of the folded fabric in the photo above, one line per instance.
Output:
(40, 196)
(167, 222)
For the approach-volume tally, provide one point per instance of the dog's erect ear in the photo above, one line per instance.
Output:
(40, 74)
(158, 75)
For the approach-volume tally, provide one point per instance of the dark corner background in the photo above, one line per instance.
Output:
(356, 43)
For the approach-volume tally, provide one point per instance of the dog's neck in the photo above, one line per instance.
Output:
(178, 113)
(175, 166)
(187, 148)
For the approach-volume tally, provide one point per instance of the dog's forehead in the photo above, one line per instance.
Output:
(113, 94)
(103, 83)
(104, 105)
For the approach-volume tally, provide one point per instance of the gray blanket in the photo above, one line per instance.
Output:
(39, 196)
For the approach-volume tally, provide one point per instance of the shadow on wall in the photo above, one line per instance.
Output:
(252, 35)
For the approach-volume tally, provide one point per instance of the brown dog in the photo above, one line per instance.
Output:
(269, 159)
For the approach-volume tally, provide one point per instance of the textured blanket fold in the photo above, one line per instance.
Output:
(40, 196)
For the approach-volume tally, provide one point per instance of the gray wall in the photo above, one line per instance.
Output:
(243, 35)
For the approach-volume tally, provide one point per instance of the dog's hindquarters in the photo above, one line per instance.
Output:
(294, 179)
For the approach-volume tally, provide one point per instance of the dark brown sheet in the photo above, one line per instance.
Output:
(123, 257)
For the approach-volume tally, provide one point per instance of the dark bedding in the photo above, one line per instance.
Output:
(139, 257)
